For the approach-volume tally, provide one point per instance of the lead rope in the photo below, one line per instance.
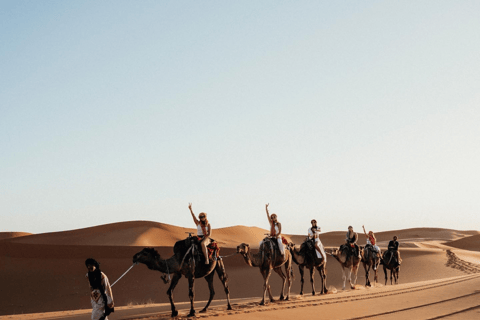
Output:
(181, 264)
(133, 265)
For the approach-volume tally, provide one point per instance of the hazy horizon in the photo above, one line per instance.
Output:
(350, 113)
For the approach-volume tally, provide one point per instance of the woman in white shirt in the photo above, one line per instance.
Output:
(313, 233)
(204, 231)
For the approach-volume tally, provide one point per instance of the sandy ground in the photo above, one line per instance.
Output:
(42, 276)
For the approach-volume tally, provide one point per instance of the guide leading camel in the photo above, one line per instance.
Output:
(101, 296)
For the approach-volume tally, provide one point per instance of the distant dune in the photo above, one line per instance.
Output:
(9, 235)
(468, 243)
(155, 234)
(142, 233)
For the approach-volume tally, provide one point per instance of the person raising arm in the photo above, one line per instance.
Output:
(204, 231)
(275, 229)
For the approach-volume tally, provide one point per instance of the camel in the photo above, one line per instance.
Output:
(349, 261)
(311, 262)
(267, 259)
(183, 263)
(370, 260)
(390, 263)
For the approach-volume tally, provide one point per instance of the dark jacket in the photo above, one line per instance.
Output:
(393, 245)
(352, 240)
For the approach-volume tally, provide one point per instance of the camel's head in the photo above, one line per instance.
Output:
(243, 248)
(146, 256)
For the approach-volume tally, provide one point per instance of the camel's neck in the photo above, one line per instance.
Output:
(340, 257)
(169, 265)
(253, 260)
(297, 257)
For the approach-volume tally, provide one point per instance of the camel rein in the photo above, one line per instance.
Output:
(133, 265)
(221, 257)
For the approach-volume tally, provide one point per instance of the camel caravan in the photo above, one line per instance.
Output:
(198, 257)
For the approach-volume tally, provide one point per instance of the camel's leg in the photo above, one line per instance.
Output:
(385, 271)
(344, 277)
(266, 287)
(191, 294)
(209, 279)
(300, 268)
(173, 284)
(355, 274)
(350, 277)
(323, 277)
(222, 274)
(284, 279)
(366, 274)
(312, 279)
(391, 276)
(289, 271)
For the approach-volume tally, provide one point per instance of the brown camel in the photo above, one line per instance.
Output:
(391, 263)
(312, 262)
(266, 259)
(183, 263)
(348, 260)
(370, 260)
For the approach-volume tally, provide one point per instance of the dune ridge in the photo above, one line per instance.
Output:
(468, 243)
(156, 234)
(10, 235)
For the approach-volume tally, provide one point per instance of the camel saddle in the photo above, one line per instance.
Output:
(352, 249)
(274, 242)
(389, 256)
(212, 248)
(370, 247)
(307, 249)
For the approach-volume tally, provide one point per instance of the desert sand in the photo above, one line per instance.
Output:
(43, 276)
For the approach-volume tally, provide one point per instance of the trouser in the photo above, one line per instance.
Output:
(320, 250)
(204, 243)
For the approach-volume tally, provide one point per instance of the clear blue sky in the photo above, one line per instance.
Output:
(348, 112)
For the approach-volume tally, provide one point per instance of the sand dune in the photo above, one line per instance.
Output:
(148, 233)
(10, 235)
(143, 233)
(467, 243)
(46, 272)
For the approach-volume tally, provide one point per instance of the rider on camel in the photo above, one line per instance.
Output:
(393, 247)
(204, 231)
(275, 230)
(371, 240)
(351, 240)
(313, 233)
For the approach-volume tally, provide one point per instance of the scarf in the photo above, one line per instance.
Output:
(95, 279)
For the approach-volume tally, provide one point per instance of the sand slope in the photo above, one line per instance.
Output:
(142, 233)
(10, 235)
(467, 243)
(46, 272)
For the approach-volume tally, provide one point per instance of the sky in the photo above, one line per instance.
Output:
(352, 113)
